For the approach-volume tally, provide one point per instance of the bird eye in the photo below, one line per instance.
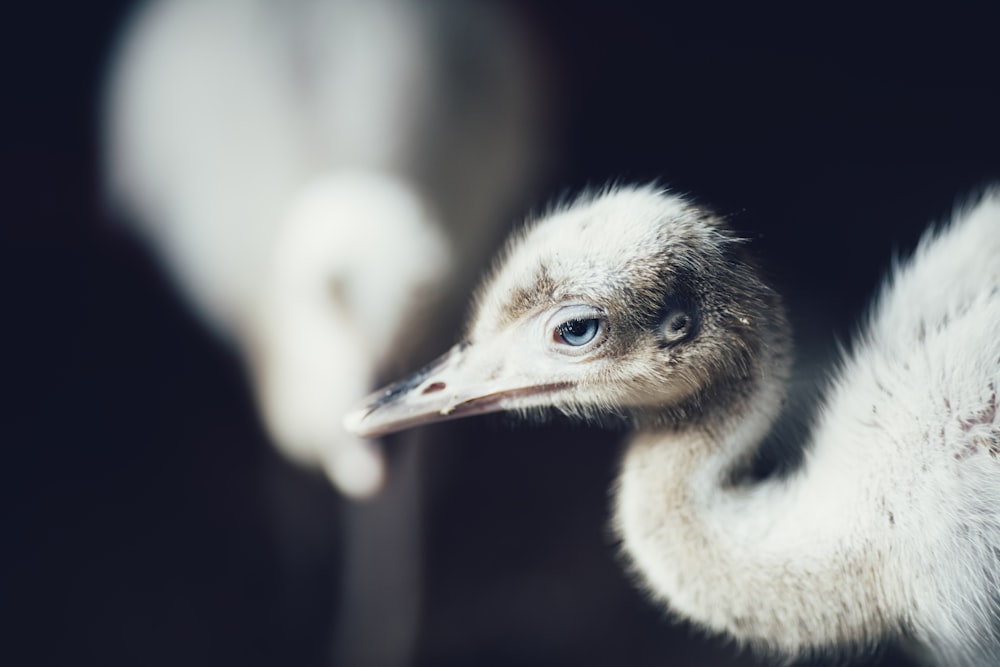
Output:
(578, 332)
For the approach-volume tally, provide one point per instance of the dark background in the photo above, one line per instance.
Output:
(138, 516)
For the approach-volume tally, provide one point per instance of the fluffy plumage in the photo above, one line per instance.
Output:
(889, 527)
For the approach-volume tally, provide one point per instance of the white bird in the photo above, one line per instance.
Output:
(317, 176)
(309, 172)
(638, 304)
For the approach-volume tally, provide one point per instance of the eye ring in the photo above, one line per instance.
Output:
(577, 332)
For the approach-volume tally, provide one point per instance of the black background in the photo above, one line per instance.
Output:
(138, 497)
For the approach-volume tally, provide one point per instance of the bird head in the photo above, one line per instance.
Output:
(633, 303)
(355, 256)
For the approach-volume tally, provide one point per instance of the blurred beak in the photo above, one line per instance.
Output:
(467, 380)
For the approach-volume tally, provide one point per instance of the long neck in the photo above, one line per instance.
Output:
(782, 563)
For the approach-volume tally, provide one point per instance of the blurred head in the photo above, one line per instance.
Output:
(354, 258)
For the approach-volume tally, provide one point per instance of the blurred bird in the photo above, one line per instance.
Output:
(313, 174)
(639, 305)
(321, 179)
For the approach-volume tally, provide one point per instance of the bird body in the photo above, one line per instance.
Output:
(890, 526)
(637, 303)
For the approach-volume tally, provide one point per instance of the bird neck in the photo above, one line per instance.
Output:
(767, 560)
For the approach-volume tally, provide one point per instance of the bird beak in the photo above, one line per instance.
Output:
(467, 380)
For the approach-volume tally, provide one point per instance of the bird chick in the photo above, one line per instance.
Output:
(640, 304)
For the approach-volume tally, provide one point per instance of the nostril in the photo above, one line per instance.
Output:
(433, 387)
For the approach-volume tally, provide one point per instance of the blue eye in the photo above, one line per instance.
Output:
(578, 332)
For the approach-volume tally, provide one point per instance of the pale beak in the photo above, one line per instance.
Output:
(467, 380)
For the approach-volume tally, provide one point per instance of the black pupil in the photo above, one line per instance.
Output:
(576, 327)
(678, 323)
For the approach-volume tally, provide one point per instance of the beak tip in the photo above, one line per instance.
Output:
(354, 421)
